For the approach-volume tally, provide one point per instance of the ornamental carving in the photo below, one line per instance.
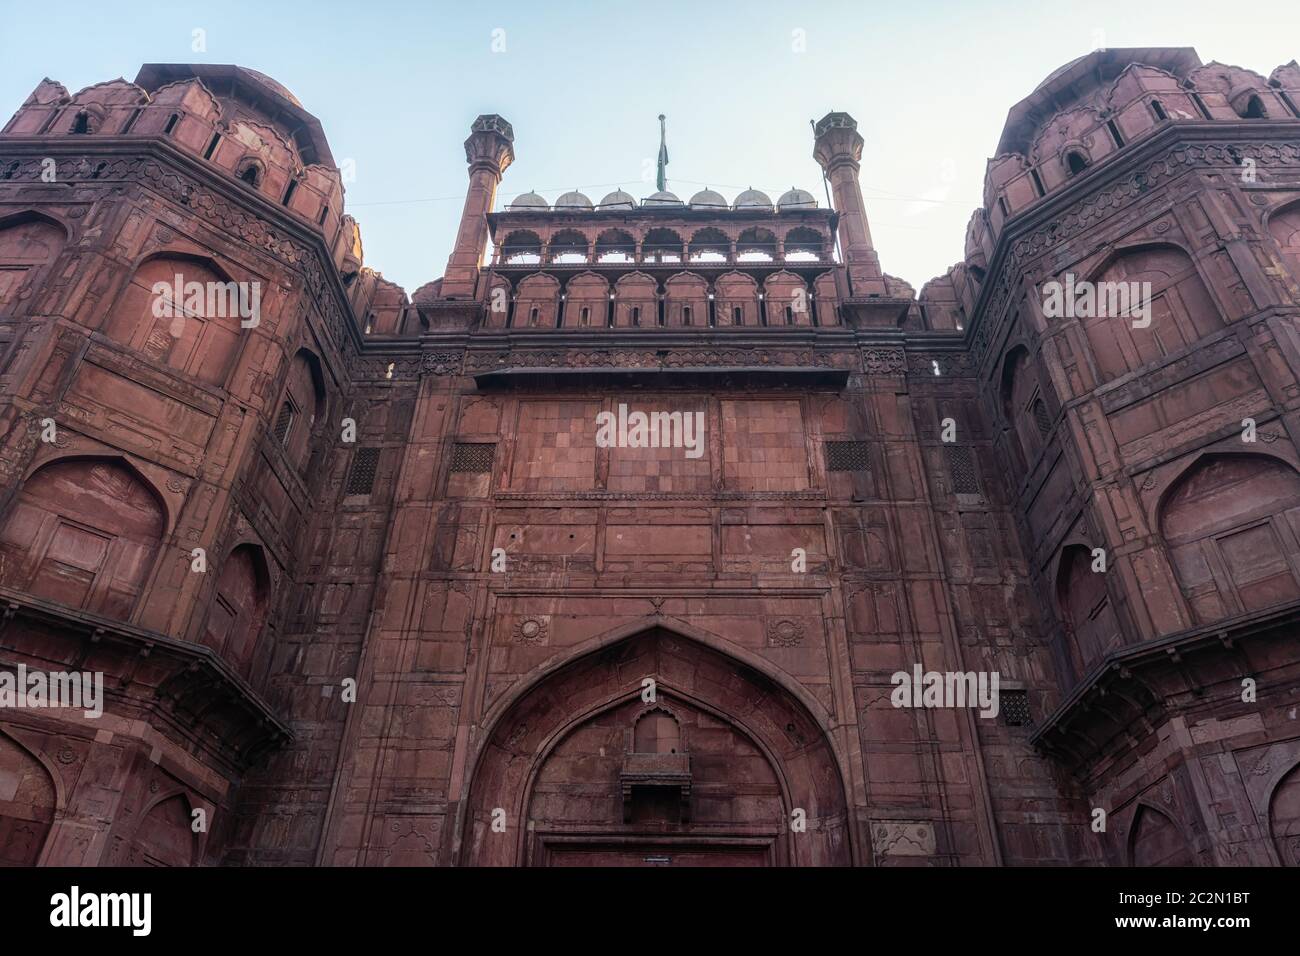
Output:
(884, 361)
(531, 631)
(784, 632)
(441, 363)
(482, 361)
(950, 363)
(903, 838)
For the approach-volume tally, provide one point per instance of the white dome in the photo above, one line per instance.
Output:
(796, 199)
(662, 198)
(529, 200)
(708, 199)
(618, 200)
(753, 197)
(573, 200)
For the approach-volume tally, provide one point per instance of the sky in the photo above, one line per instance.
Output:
(397, 84)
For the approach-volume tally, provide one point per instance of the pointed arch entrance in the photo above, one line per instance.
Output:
(28, 799)
(582, 769)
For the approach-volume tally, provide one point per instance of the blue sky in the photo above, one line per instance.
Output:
(396, 86)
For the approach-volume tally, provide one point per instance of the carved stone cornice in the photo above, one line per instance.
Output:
(1135, 689)
(884, 360)
(442, 362)
(705, 498)
(481, 360)
(958, 364)
(185, 690)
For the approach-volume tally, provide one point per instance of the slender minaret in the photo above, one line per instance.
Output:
(489, 151)
(839, 151)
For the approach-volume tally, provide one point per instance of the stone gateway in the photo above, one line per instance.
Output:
(607, 546)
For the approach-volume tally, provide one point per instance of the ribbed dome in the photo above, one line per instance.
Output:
(573, 200)
(275, 85)
(796, 199)
(529, 200)
(753, 197)
(618, 200)
(708, 199)
(663, 198)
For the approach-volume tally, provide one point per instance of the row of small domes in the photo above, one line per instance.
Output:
(704, 199)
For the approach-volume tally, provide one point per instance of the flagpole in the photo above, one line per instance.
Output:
(661, 176)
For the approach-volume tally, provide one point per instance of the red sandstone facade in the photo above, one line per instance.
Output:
(428, 645)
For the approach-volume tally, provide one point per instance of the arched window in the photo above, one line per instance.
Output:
(81, 123)
(686, 297)
(85, 533)
(238, 608)
(662, 245)
(1076, 162)
(1091, 629)
(805, 244)
(615, 245)
(786, 297)
(165, 836)
(1020, 394)
(568, 246)
(302, 406)
(1157, 841)
(1284, 818)
(1162, 282)
(521, 247)
(284, 423)
(657, 732)
(586, 301)
(709, 245)
(1041, 418)
(27, 247)
(756, 244)
(1254, 109)
(540, 295)
(635, 298)
(183, 313)
(250, 174)
(1228, 525)
(27, 802)
(1284, 227)
(737, 298)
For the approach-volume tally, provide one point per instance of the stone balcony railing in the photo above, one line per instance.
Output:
(672, 771)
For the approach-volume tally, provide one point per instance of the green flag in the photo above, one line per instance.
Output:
(661, 178)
